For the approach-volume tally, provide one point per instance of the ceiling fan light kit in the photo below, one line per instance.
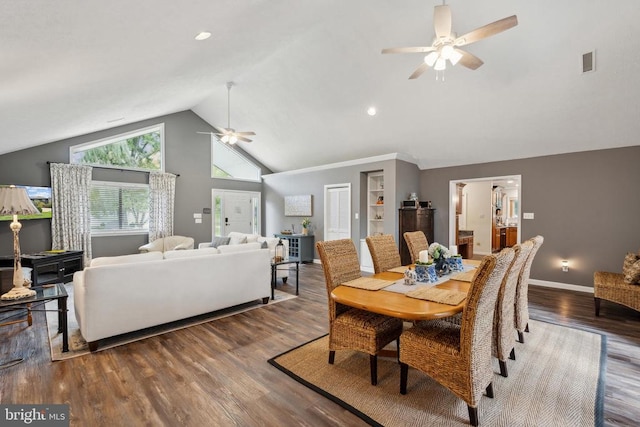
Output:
(229, 135)
(446, 45)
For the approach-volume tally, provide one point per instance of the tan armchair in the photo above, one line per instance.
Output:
(169, 243)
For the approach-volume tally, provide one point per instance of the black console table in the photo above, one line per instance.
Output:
(49, 266)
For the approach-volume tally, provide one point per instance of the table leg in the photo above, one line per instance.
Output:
(297, 280)
(29, 318)
(273, 281)
(62, 323)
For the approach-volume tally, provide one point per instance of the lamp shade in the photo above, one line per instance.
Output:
(15, 201)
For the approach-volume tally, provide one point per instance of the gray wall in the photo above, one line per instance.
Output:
(277, 186)
(586, 206)
(186, 153)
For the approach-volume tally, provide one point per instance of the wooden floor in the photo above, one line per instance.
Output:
(217, 373)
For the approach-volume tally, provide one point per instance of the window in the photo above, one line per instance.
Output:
(139, 150)
(119, 208)
(230, 164)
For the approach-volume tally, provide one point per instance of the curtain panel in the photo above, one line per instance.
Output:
(162, 189)
(71, 217)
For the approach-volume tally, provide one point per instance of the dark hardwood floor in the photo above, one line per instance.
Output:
(217, 373)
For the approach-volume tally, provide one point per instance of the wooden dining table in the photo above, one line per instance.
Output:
(397, 304)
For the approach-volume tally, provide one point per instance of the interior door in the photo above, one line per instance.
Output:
(337, 212)
(235, 211)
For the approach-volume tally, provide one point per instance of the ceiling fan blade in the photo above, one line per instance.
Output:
(419, 49)
(242, 138)
(442, 21)
(487, 31)
(205, 133)
(468, 60)
(418, 72)
(245, 133)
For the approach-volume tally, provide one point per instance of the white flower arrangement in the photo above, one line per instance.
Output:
(436, 250)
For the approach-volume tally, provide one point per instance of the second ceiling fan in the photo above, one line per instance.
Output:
(229, 135)
(446, 44)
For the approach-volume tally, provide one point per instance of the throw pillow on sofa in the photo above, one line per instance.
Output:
(219, 241)
(631, 268)
(236, 238)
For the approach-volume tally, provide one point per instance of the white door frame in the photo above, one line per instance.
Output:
(327, 187)
(221, 192)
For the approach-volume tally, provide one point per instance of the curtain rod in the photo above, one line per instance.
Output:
(116, 169)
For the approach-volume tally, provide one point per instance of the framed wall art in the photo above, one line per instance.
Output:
(298, 205)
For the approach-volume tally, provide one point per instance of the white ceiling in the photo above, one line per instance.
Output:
(306, 72)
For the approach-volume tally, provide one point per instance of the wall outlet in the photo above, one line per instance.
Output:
(528, 215)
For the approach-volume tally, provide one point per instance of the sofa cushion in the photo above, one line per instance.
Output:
(239, 248)
(219, 241)
(126, 259)
(236, 238)
(190, 253)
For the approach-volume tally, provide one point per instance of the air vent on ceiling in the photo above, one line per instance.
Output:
(589, 62)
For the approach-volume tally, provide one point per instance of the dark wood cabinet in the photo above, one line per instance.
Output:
(420, 219)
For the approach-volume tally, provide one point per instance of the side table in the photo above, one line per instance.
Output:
(43, 294)
(274, 267)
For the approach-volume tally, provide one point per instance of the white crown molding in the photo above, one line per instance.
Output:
(383, 157)
(559, 285)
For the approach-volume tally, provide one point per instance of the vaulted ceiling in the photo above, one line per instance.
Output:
(307, 71)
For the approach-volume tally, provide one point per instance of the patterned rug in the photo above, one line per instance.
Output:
(557, 379)
(79, 347)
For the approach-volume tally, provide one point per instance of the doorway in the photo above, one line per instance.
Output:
(235, 211)
(337, 211)
(474, 209)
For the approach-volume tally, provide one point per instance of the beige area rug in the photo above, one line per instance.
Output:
(79, 347)
(557, 380)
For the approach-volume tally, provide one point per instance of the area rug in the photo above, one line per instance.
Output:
(557, 380)
(79, 347)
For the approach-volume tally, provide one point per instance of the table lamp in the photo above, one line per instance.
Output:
(15, 201)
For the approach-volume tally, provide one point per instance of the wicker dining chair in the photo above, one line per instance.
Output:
(384, 252)
(504, 326)
(459, 356)
(351, 328)
(416, 242)
(522, 291)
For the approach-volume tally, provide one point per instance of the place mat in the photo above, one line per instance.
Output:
(367, 283)
(443, 296)
(466, 276)
(400, 269)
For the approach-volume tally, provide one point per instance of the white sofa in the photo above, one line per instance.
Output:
(116, 295)
(236, 238)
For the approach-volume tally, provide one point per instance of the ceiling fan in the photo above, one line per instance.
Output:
(228, 134)
(446, 44)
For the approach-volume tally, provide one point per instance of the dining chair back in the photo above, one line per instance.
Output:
(384, 252)
(522, 291)
(459, 356)
(416, 242)
(351, 328)
(504, 328)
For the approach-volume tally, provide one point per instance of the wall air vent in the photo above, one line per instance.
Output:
(589, 62)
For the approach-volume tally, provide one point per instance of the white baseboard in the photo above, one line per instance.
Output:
(559, 285)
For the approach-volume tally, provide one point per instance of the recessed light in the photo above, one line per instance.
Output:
(372, 111)
(203, 35)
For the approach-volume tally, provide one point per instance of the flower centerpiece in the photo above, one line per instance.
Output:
(440, 254)
(306, 222)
